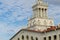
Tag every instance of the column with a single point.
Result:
(41, 12)
(38, 12)
(44, 13)
(46, 38)
(52, 37)
(35, 13)
(57, 37)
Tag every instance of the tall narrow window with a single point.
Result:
(45, 13)
(18, 39)
(49, 37)
(42, 12)
(36, 38)
(55, 37)
(59, 36)
(39, 9)
(44, 38)
(31, 38)
(22, 37)
(27, 37)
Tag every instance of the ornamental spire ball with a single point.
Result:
(40, 0)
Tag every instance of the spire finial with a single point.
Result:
(39, 0)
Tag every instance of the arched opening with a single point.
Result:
(27, 37)
(39, 8)
(31, 38)
(39, 12)
(45, 13)
(36, 38)
(42, 12)
(59, 36)
(44, 38)
(45, 10)
(55, 37)
(49, 37)
(22, 37)
(18, 39)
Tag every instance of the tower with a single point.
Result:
(40, 9)
(40, 19)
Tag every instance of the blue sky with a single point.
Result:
(15, 13)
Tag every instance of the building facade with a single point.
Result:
(39, 27)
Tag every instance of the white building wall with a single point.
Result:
(40, 36)
(52, 33)
(25, 33)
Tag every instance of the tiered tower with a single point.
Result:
(40, 19)
(40, 9)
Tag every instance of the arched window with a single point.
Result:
(27, 37)
(39, 9)
(42, 12)
(22, 37)
(49, 37)
(44, 38)
(31, 38)
(55, 37)
(45, 10)
(36, 38)
(39, 12)
(42, 9)
(59, 36)
(18, 39)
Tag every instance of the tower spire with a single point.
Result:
(40, 19)
(39, 0)
(40, 9)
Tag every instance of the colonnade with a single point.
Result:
(42, 12)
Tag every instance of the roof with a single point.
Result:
(52, 28)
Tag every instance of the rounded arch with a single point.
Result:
(18, 38)
(22, 37)
(42, 9)
(27, 37)
(36, 38)
(31, 37)
(45, 9)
